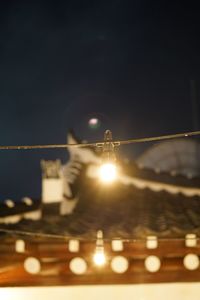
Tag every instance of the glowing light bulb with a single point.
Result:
(99, 257)
(108, 172)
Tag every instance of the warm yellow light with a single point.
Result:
(99, 258)
(108, 172)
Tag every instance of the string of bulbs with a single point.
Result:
(99, 255)
(100, 143)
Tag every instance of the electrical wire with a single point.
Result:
(86, 239)
(29, 147)
(100, 143)
(160, 138)
(36, 234)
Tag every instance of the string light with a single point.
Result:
(99, 257)
(108, 168)
(108, 150)
(95, 144)
(108, 173)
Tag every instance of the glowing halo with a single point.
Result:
(108, 172)
(99, 258)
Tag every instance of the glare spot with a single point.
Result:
(108, 172)
(99, 258)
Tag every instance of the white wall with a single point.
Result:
(175, 291)
(52, 190)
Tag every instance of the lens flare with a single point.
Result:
(94, 123)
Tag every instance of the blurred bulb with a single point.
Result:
(108, 172)
(99, 257)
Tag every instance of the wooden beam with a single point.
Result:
(55, 258)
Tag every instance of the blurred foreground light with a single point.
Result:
(78, 265)
(32, 265)
(191, 261)
(20, 246)
(99, 257)
(108, 172)
(119, 264)
(152, 263)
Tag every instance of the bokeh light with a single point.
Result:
(94, 123)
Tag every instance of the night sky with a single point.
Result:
(129, 63)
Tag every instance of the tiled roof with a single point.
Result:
(164, 177)
(121, 211)
(22, 206)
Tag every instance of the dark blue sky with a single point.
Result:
(62, 62)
